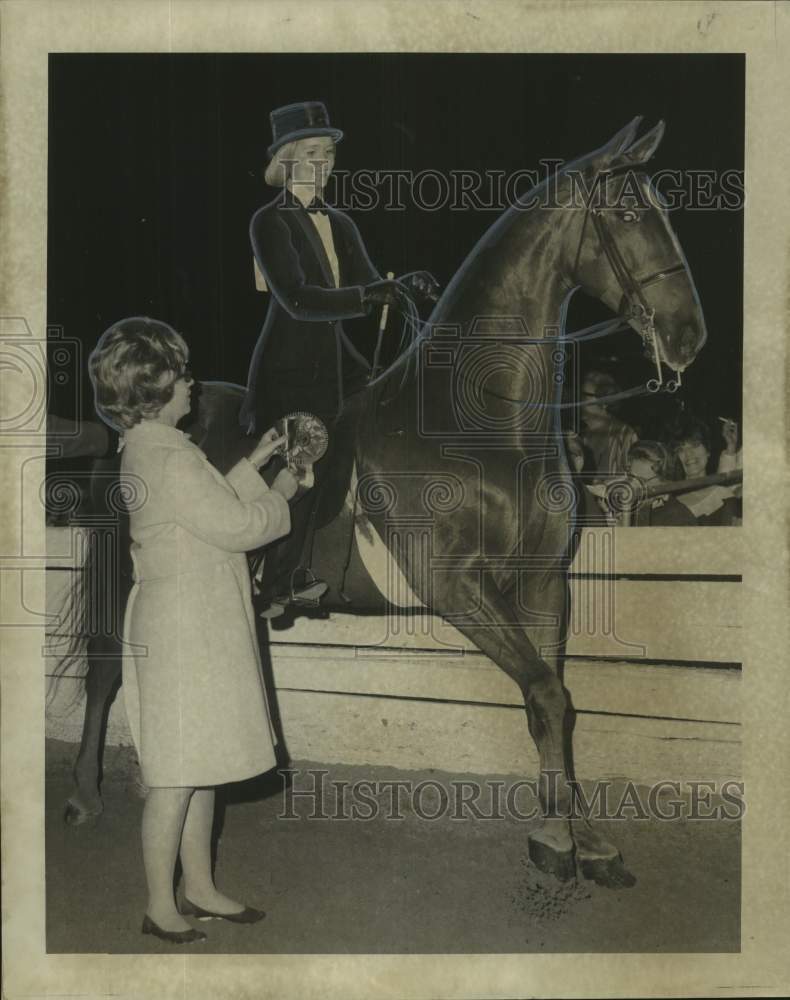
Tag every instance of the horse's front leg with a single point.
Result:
(597, 858)
(491, 628)
(104, 671)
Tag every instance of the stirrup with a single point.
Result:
(308, 596)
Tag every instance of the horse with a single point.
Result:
(457, 455)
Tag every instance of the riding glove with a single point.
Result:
(385, 293)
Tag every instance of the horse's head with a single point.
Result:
(627, 255)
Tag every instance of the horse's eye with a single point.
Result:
(629, 215)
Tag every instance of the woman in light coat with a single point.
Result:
(192, 680)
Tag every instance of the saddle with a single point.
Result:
(373, 411)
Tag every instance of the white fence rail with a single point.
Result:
(653, 667)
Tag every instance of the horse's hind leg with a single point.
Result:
(551, 845)
(104, 671)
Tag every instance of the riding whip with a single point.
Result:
(382, 326)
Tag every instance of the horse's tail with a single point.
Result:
(87, 621)
(67, 641)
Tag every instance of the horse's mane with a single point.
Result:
(415, 330)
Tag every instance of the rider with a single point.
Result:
(312, 259)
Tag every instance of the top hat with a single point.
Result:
(298, 121)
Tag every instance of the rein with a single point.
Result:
(632, 309)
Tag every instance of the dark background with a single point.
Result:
(156, 166)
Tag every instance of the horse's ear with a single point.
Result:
(618, 143)
(640, 151)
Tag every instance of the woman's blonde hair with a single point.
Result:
(278, 171)
(127, 367)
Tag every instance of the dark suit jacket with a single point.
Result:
(302, 350)
(672, 513)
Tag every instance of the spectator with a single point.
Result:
(605, 435)
(654, 463)
(711, 505)
(589, 509)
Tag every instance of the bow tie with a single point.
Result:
(316, 206)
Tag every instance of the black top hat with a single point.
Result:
(298, 121)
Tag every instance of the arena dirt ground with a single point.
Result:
(387, 886)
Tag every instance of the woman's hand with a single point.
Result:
(305, 477)
(266, 447)
(293, 480)
(286, 483)
(729, 431)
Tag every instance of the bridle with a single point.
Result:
(632, 309)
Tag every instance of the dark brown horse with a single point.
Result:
(458, 455)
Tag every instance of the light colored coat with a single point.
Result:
(192, 685)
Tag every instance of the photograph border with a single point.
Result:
(30, 31)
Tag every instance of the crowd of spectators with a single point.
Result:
(620, 470)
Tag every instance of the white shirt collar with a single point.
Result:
(304, 193)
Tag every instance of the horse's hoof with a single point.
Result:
(560, 864)
(608, 872)
(75, 815)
